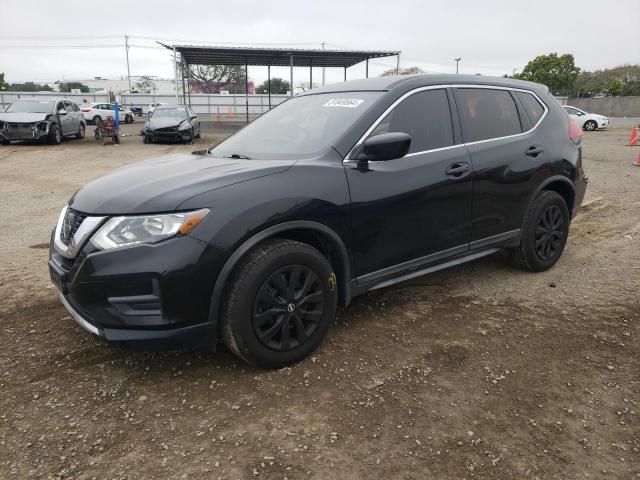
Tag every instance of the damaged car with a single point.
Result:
(174, 123)
(43, 120)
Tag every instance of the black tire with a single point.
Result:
(81, 131)
(590, 125)
(5, 142)
(544, 233)
(145, 139)
(97, 120)
(262, 312)
(128, 119)
(197, 135)
(54, 137)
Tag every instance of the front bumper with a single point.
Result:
(142, 295)
(23, 131)
(167, 136)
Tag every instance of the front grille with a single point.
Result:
(167, 130)
(72, 221)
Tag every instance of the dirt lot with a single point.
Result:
(479, 372)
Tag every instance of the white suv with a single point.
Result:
(588, 121)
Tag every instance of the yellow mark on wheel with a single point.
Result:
(333, 281)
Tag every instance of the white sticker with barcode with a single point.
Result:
(344, 102)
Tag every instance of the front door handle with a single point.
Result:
(534, 151)
(458, 169)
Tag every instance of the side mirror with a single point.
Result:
(62, 112)
(385, 146)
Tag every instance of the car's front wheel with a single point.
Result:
(280, 302)
(54, 136)
(590, 125)
(544, 233)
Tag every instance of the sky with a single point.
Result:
(72, 40)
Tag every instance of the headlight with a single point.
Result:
(41, 126)
(126, 231)
(184, 125)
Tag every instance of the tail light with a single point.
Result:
(575, 131)
(85, 109)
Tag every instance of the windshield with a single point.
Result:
(298, 127)
(178, 112)
(31, 106)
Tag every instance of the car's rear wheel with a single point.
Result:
(590, 125)
(81, 131)
(54, 137)
(544, 233)
(280, 302)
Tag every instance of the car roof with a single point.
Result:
(391, 82)
(170, 105)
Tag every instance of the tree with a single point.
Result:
(623, 80)
(278, 87)
(213, 78)
(29, 87)
(403, 71)
(3, 85)
(68, 86)
(558, 72)
(145, 85)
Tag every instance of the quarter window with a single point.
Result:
(425, 116)
(532, 106)
(487, 114)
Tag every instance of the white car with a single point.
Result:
(588, 121)
(101, 111)
(152, 107)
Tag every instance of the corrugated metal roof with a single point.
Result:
(219, 55)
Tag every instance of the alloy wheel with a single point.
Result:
(550, 233)
(288, 307)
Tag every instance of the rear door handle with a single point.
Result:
(534, 151)
(458, 169)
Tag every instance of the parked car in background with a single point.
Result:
(152, 107)
(175, 123)
(100, 111)
(137, 111)
(588, 121)
(48, 120)
(335, 192)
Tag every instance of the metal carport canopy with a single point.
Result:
(280, 57)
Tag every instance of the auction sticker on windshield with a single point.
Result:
(343, 102)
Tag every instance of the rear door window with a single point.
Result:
(425, 116)
(487, 113)
(532, 106)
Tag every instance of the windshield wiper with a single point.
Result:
(238, 156)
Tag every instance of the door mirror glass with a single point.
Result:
(385, 146)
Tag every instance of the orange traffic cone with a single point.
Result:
(229, 114)
(634, 138)
(637, 162)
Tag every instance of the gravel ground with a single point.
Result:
(478, 372)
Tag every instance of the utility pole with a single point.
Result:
(175, 70)
(457, 62)
(323, 67)
(126, 46)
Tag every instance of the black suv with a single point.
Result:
(340, 190)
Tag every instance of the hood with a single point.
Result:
(162, 184)
(155, 123)
(20, 117)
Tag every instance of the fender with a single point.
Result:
(548, 181)
(233, 260)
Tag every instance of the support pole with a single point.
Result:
(184, 90)
(188, 86)
(175, 70)
(310, 73)
(126, 46)
(246, 87)
(291, 74)
(398, 65)
(366, 69)
(269, 83)
(323, 69)
(345, 73)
